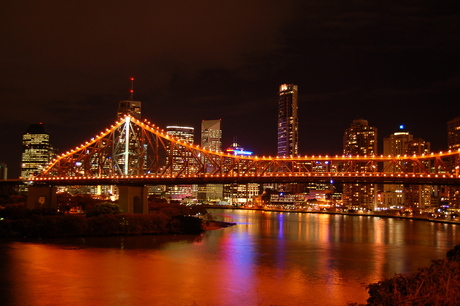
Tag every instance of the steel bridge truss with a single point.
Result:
(134, 149)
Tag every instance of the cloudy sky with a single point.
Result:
(68, 63)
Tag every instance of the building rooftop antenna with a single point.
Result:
(131, 91)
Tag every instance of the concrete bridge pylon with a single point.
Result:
(133, 199)
(41, 197)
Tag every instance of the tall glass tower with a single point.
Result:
(36, 150)
(288, 121)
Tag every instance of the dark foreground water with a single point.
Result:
(267, 259)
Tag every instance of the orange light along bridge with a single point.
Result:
(133, 154)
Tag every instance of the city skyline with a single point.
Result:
(68, 66)
(380, 140)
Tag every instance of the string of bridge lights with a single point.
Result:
(147, 125)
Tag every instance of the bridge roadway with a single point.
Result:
(343, 177)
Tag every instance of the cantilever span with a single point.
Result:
(136, 152)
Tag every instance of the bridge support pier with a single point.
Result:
(133, 199)
(41, 196)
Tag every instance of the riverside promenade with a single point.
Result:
(383, 214)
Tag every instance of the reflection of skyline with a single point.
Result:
(331, 235)
(267, 258)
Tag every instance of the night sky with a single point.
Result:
(68, 63)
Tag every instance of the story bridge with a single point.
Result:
(133, 154)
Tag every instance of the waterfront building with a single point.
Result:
(360, 139)
(37, 151)
(237, 150)
(288, 121)
(395, 144)
(187, 135)
(240, 194)
(288, 130)
(399, 196)
(211, 139)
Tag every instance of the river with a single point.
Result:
(268, 258)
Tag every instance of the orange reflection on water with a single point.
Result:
(267, 259)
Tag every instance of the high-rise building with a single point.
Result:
(453, 143)
(130, 162)
(453, 134)
(37, 151)
(3, 171)
(184, 133)
(211, 135)
(211, 139)
(130, 107)
(288, 121)
(408, 196)
(187, 135)
(360, 139)
(396, 143)
(240, 194)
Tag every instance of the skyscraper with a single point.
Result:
(288, 122)
(398, 195)
(453, 143)
(211, 135)
(3, 171)
(211, 139)
(130, 107)
(186, 134)
(396, 143)
(36, 150)
(240, 194)
(129, 160)
(453, 134)
(360, 139)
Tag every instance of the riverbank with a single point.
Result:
(438, 284)
(381, 215)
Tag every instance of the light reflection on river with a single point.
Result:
(268, 258)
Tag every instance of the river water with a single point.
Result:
(268, 258)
